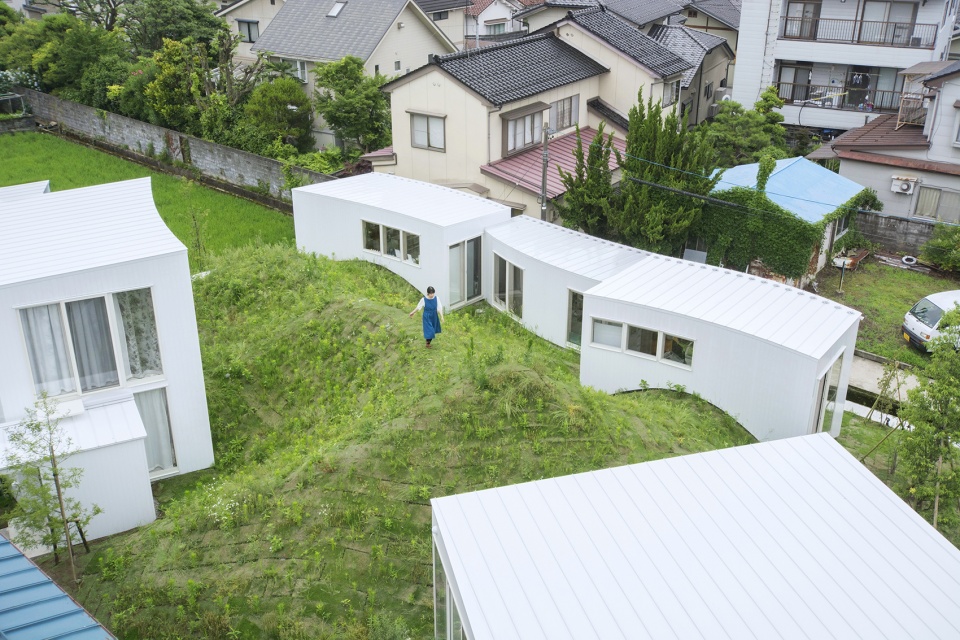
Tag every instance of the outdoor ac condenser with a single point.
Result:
(904, 185)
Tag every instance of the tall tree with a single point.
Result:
(281, 109)
(176, 91)
(105, 14)
(741, 136)
(352, 103)
(589, 197)
(38, 452)
(149, 22)
(661, 152)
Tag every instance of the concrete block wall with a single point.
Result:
(895, 233)
(217, 163)
(26, 123)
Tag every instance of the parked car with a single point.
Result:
(920, 323)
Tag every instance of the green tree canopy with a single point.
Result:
(741, 136)
(352, 103)
(176, 91)
(589, 197)
(149, 22)
(661, 150)
(280, 109)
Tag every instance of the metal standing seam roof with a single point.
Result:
(33, 607)
(786, 539)
(805, 188)
(778, 313)
(26, 190)
(520, 68)
(67, 231)
(566, 249)
(431, 203)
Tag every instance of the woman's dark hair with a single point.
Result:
(431, 290)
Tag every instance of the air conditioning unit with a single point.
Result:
(712, 110)
(904, 185)
(723, 93)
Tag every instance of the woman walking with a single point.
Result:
(432, 314)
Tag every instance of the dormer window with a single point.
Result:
(337, 8)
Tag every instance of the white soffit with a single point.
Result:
(566, 249)
(786, 539)
(63, 232)
(781, 314)
(431, 203)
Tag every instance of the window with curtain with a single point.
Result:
(92, 344)
(138, 333)
(427, 131)
(524, 131)
(43, 332)
(938, 204)
(564, 113)
(152, 406)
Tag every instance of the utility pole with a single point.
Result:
(543, 184)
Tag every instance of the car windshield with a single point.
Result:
(927, 313)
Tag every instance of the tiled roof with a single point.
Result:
(525, 169)
(645, 11)
(949, 71)
(687, 43)
(622, 36)
(478, 7)
(429, 6)
(302, 29)
(519, 69)
(555, 4)
(882, 133)
(609, 114)
(725, 11)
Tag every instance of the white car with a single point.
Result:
(920, 323)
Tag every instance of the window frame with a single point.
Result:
(674, 93)
(443, 120)
(404, 247)
(381, 237)
(708, 90)
(573, 111)
(496, 29)
(843, 225)
(299, 68)
(593, 333)
(535, 139)
(465, 284)
(656, 347)
(507, 304)
(661, 350)
(937, 213)
(571, 294)
(437, 16)
(244, 29)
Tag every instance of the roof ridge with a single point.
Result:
(470, 53)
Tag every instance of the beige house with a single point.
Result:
(718, 18)
(390, 36)
(475, 120)
(249, 18)
(449, 15)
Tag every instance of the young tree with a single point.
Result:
(176, 91)
(741, 136)
(929, 454)
(661, 152)
(39, 449)
(589, 197)
(281, 109)
(353, 104)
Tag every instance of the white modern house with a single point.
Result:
(837, 63)
(774, 357)
(640, 319)
(427, 234)
(96, 311)
(791, 539)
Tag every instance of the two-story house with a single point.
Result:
(641, 15)
(488, 20)
(248, 18)
(718, 18)
(449, 15)
(476, 119)
(837, 63)
(390, 36)
(96, 312)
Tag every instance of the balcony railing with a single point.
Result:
(839, 97)
(878, 34)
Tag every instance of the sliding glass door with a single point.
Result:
(465, 262)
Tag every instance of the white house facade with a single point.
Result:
(248, 19)
(96, 311)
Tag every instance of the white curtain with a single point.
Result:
(47, 349)
(420, 138)
(92, 344)
(153, 411)
(436, 133)
(138, 328)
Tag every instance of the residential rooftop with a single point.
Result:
(688, 44)
(882, 133)
(726, 12)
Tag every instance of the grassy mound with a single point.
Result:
(333, 428)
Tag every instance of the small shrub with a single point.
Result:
(943, 249)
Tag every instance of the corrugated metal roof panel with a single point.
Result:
(424, 201)
(67, 231)
(566, 249)
(781, 314)
(33, 607)
(26, 190)
(787, 539)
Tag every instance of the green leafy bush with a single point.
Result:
(943, 249)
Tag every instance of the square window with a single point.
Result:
(564, 113)
(427, 131)
(249, 31)
(524, 131)
(371, 237)
(396, 66)
(607, 333)
(679, 350)
(640, 340)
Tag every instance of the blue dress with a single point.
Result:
(431, 320)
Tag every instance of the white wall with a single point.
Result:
(259, 11)
(410, 45)
(879, 177)
(498, 10)
(770, 390)
(168, 277)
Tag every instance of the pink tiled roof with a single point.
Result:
(379, 153)
(525, 169)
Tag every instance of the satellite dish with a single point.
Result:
(725, 98)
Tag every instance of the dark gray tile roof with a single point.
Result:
(302, 30)
(641, 12)
(725, 11)
(520, 68)
(689, 44)
(608, 113)
(948, 71)
(558, 4)
(622, 36)
(429, 6)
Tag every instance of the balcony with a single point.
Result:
(839, 97)
(906, 35)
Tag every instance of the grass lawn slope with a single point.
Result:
(225, 221)
(333, 428)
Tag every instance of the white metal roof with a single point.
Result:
(68, 231)
(567, 249)
(784, 315)
(424, 201)
(25, 190)
(786, 539)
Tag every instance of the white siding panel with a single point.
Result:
(25, 190)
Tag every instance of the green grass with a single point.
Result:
(333, 428)
(227, 221)
(883, 294)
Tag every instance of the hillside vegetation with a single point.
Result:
(333, 429)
